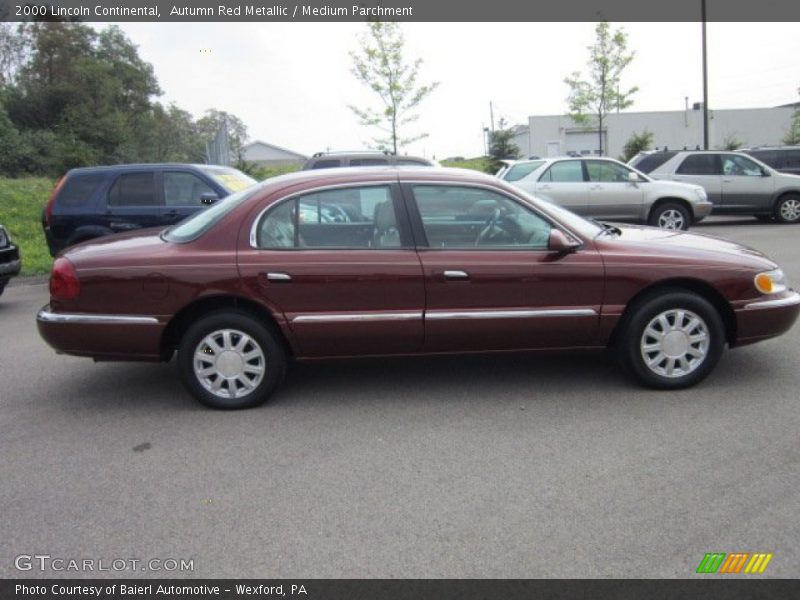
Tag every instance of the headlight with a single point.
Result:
(701, 193)
(770, 282)
(3, 238)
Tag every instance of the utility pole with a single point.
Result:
(705, 79)
(491, 115)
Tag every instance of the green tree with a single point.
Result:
(731, 142)
(380, 66)
(501, 145)
(638, 142)
(792, 137)
(237, 130)
(591, 98)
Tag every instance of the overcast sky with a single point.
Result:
(291, 82)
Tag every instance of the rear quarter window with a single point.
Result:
(649, 163)
(326, 164)
(79, 189)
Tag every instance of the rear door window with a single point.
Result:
(700, 164)
(134, 189)
(79, 189)
(564, 171)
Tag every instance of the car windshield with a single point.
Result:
(231, 179)
(570, 219)
(193, 227)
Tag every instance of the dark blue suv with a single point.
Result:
(95, 201)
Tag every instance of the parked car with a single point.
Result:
(785, 159)
(10, 263)
(364, 158)
(96, 201)
(429, 261)
(736, 184)
(604, 188)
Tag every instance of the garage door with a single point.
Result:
(583, 142)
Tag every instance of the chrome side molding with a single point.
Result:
(50, 317)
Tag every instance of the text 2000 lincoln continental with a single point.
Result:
(373, 261)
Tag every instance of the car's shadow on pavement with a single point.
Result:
(515, 378)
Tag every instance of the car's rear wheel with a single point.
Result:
(670, 215)
(671, 340)
(228, 359)
(787, 210)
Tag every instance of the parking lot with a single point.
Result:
(502, 466)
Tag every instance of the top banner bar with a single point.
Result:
(399, 10)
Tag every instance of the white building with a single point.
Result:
(269, 155)
(556, 135)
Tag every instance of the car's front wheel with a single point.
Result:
(787, 210)
(228, 359)
(670, 215)
(671, 340)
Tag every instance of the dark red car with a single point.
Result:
(354, 262)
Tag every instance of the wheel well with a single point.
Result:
(701, 288)
(784, 195)
(175, 329)
(662, 201)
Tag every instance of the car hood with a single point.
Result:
(689, 247)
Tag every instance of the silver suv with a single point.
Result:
(607, 189)
(736, 184)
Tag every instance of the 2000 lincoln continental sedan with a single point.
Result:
(355, 262)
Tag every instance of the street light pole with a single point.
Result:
(705, 79)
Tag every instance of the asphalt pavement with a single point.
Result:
(503, 466)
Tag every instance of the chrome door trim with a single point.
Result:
(358, 317)
(278, 277)
(46, 316)
(509, 314)
(456, 274)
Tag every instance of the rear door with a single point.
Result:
(564, 183)
(703, 169)
(134, 200)
(340, 265)
(491, 282)
(611, 194)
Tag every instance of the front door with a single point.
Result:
(490, 281)
(611, 194)
(340, 266)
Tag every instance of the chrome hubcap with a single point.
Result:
(671, 219)
(675, 343)
(790, 210)
(229, 363)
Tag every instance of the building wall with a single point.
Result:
(674, 129)
(263, 154)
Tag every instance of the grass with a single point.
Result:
(480, 163)
(21, 203)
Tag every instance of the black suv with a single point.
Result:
(9, 259)
(95, 201)
(366, 158)
(781, 158)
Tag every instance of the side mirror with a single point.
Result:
(562, 243)
(208, 198)
(633, 177)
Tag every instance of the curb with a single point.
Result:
(30, 280)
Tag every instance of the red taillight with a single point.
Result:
(48, 208)
(64, 283)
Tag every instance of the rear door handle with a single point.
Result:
(278, 277)
(456, 275)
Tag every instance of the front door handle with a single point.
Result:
(456, 275)
(278, 277)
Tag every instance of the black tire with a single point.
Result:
(787, 209)
(232, 393)
(631, 348)
(670, 213)
(2, 287)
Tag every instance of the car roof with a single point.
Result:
(132, 166)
